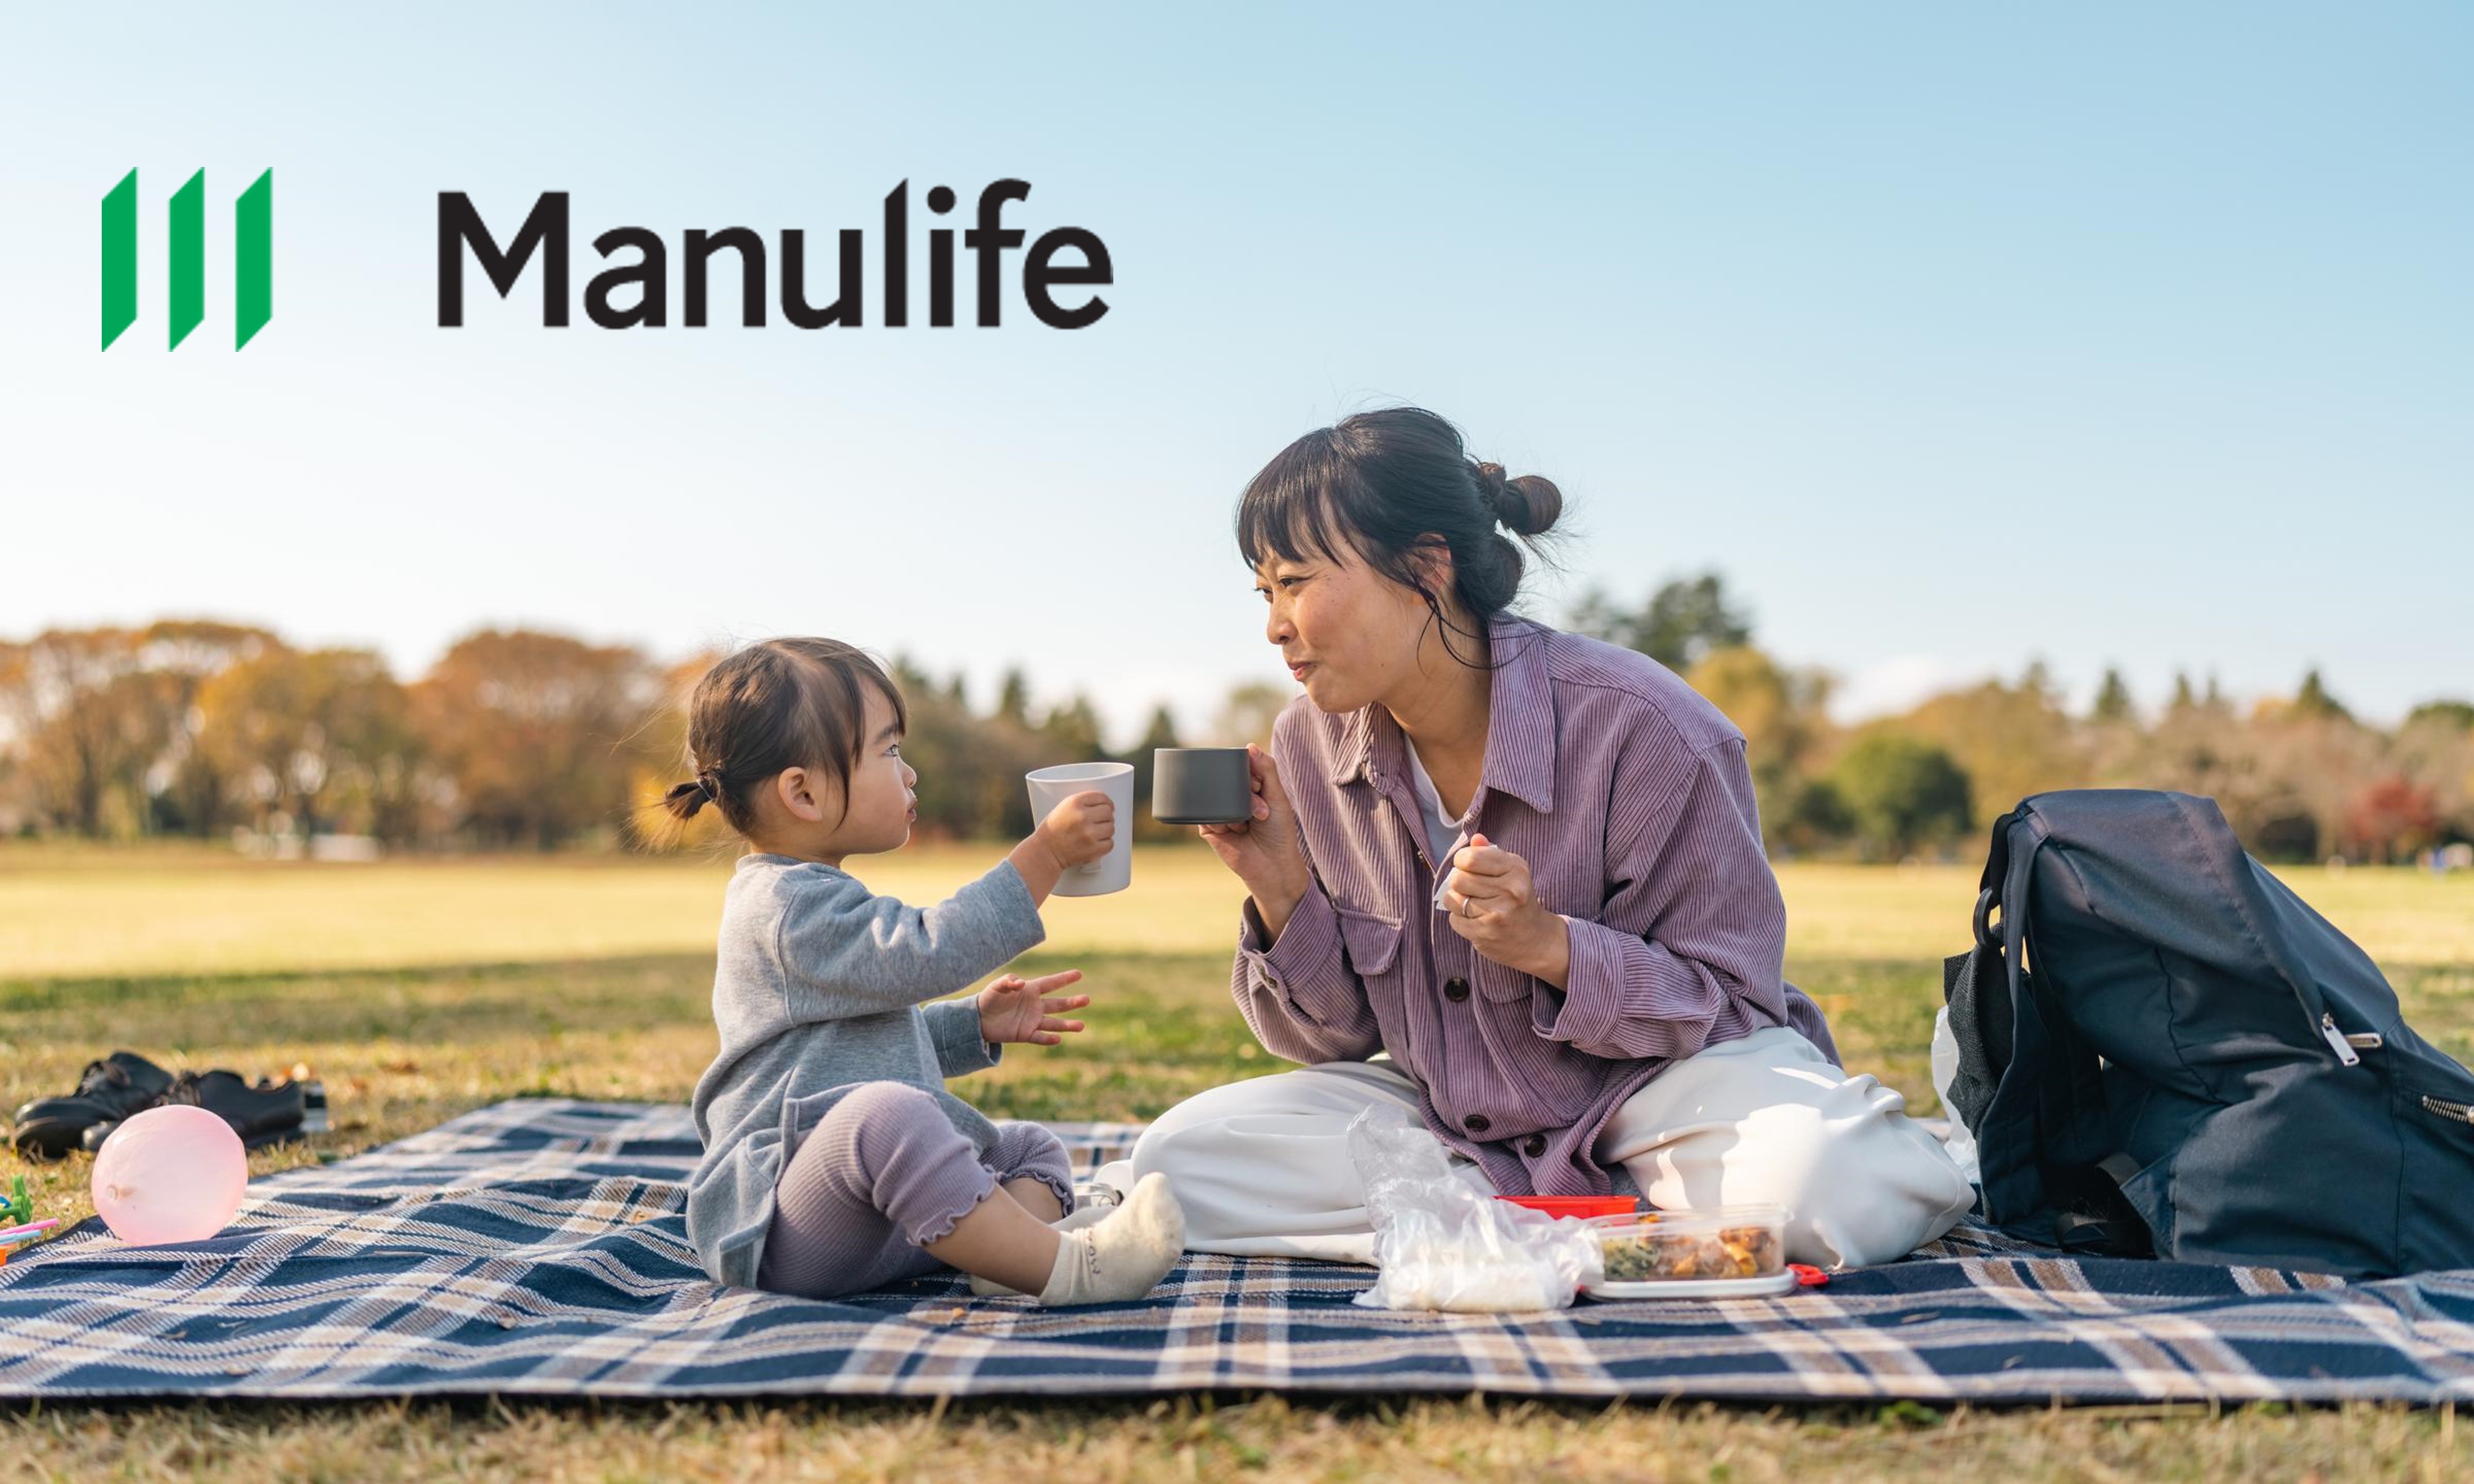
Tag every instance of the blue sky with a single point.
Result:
(1954, 337)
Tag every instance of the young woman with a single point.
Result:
(1511, 879)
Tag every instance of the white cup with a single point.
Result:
(1050, 787)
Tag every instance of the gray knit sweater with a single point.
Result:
(818, 986)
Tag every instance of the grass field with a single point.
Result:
(98, 914)
(419, 991)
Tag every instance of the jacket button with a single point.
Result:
(1477, 1123)
(1456, 988)
(1534, 1146)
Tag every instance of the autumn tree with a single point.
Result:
(312, 739)
(1782, 713)
(2393, 819)
(90, 722)
(532, 726)
(2435, 750)
(2010, 740)
(2306, 758)
(199, 797)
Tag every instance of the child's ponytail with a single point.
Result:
(684, 800)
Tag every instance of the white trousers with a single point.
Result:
(1262, 1166)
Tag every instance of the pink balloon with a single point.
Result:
(170, 1173)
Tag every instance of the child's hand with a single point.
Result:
(1079, 830)
(1014, 1009)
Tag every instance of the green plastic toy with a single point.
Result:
(21, 1206)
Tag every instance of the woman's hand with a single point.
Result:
(1264, 850)
(1494, 904)
(1015, 1009)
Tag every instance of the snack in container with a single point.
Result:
(1721, 1252)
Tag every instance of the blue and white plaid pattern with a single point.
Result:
(538, 1245)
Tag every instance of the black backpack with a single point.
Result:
(2162, 1050)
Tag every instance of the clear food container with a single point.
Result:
(1722, 1251)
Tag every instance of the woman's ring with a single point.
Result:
(1468, 908)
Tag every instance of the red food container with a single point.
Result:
(1578, 1206)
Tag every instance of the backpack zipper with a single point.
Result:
(2448, 1109)
(2337, 1040)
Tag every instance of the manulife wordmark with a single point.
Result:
(252, 258)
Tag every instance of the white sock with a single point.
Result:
(1074, 1220)
(1122, 1253)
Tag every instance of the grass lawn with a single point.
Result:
(423, 989)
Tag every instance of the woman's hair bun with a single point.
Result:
(1525, 506)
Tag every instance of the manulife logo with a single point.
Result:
(252, 260)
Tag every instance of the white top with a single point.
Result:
(1441, 831)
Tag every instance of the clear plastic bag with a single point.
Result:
(1443, 1244)
(1960, 1146)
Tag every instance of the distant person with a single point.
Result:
(834, 1160)
(1511, 881)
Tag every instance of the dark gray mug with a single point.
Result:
(1202, 785)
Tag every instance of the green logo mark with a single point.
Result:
(252, 258)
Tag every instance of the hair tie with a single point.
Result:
(1497, 491)
(1510, 507)
(709, 786)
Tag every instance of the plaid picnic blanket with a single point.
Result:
(538, 1245)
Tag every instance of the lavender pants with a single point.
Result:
(882, 1174)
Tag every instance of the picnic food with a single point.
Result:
(1726, 1242)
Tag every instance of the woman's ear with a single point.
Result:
(1431, 559)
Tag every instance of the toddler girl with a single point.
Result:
(834, 1159)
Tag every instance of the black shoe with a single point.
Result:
(108, 1090)
(266, 1114)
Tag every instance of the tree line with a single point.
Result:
(522, 739)
(2299, 777)
(513, 739)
